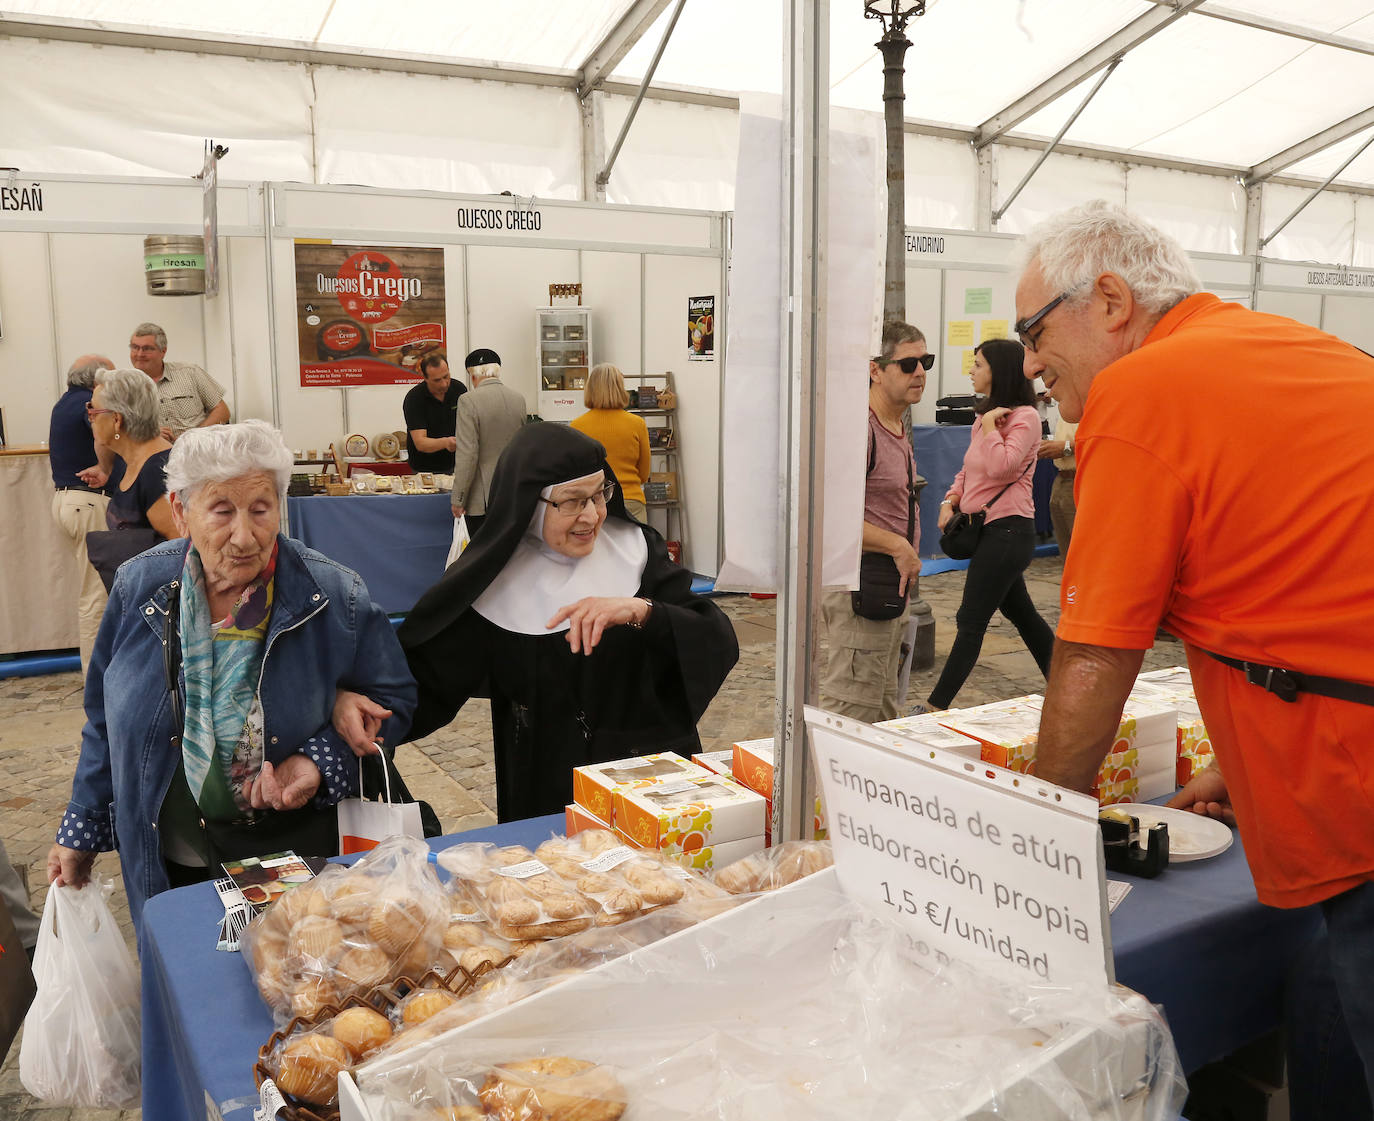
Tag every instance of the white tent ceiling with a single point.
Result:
(1227, 83)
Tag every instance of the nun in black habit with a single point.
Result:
(569, 615)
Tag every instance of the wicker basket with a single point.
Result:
(383, 998)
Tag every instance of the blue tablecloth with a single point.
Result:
(396, 543)
(940, 452)
(1194, 940)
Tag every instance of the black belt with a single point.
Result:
(88, 490)
(1286, 684)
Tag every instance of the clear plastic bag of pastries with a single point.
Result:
(348, 930)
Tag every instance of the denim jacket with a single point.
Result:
(324, 633)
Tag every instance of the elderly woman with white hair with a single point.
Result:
(233, 672)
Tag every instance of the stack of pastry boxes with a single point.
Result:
(750, 763)
(699, 819)
(927, 729)
(1141, 764)
(1175, 687)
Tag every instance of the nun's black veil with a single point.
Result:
(538, 456)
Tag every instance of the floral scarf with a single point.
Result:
(222, 743)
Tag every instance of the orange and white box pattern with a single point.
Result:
(752, 765)
(576, 819)
(1139, 766)
(711, 857)
(1194, 745)
(596, 785)
(687, 816)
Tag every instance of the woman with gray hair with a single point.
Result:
(233, 673)
(123, 412)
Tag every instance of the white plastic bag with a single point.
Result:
(81, 1037)
(461, 537)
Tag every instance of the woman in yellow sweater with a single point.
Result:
(624, 435)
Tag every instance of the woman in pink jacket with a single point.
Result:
(997, 474)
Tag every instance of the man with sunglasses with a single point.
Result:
(1184, 519)
(865, 655)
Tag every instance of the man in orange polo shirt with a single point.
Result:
(1186, 518)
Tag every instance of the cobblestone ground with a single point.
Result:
(40, 725)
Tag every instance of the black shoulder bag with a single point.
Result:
(878, 597)
(963, 531)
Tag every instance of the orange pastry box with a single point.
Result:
(752, 766)
(595, 785)
(690, 815)
(576, 819)
(1194, 745)
(1140, 765)
(717, 762)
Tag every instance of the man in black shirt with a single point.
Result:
(79, 473)
(431, 410)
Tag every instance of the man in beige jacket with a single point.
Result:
(487, 419)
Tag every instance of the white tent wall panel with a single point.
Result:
(1324, 231)
(610, 287)
(243, 298)
(97, 110)
(1363, 256)
(941, 182)
(1205, 213)
(419, 132)
(1305, 307)
(32, 374)
(506, 284)
(675, 155)
(668, 283)
(100, 295)
(1350, 318)
(1061, 181)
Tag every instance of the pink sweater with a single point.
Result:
(992, 462)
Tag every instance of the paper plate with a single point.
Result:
(1191, 836)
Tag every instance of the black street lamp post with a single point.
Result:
(893, 46)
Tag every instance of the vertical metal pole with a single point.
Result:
(806, 100)
(893, 46)
(269, 215)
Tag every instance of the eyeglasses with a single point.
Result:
(91, 410)
(908, 365)
(1023, 326)
(142, 349)
(571, 507)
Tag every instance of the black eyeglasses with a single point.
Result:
(908, 365)
(1023, 326)
(571, 507)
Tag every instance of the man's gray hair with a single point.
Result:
(131, 394)
(159, 335)
(83, 371)
(1076, 246)
(227, 451)
(485, 370)
(895, 332)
